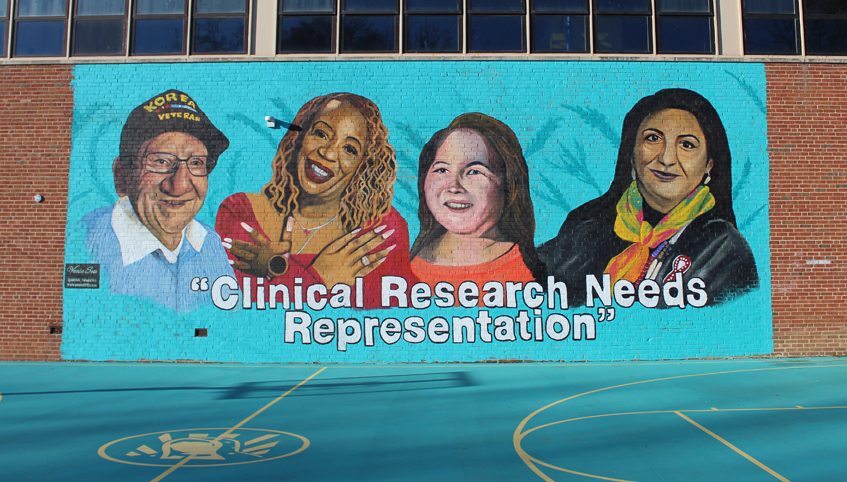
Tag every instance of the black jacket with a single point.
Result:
(719, 254)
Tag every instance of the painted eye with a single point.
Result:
(475, 172)
(440, 170)
(688, 145)
(197, 162)
(652, 138)
(351, 150)
(319, 133)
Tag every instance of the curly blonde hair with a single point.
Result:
(367, 199)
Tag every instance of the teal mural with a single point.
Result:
(418, 211)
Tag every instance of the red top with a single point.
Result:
(509, 267)
(237, 209)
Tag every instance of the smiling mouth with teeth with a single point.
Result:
(453, 205)
(318, 173)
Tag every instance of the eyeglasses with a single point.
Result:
(167, 163)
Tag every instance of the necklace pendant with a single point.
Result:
(306, 231)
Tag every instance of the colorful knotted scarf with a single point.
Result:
(630, 226)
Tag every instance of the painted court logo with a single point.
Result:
(204, 447)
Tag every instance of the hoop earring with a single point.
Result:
(708, 178)
(633, 173)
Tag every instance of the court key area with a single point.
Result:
(689, 421)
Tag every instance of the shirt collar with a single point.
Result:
(137, 241)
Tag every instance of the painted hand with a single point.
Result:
(349, 257)
(264, 257)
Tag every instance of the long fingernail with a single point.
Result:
(286, 255)
(355, 231)
(379, 229)
(227, 245)
(231, 262)
(247, 227)
(290, 225)
(391, 247)
(388, 234)
(227, 240)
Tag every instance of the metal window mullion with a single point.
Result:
(69, 23)
(337, 27)
(9, 33)
(399, 25)
(654, 23)
(802, 21)
(591, 27)
(129, 18)
(189, 30)
(526, 36)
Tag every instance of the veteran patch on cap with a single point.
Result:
(171, 111)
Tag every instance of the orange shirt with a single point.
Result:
(509, 267)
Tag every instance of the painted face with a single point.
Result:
(462, 190)
(670, 157)
(166, 203)
(332, 150)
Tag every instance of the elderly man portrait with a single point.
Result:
(148, 244)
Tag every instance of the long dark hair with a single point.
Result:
(367, 199)
(517, 222)
(717, 149)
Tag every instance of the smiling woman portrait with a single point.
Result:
(476, 214)
(668, 211)
(326, 214)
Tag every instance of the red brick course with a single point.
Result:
(807, 120)
(36, 111)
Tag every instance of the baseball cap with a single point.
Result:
(171, 111)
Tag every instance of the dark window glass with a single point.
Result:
(219, 35)
(370, 5)
(99, 37)
(41, 8)
(295, 6)
(100, 7)
(831, 7)
(623, 6)
(369, 34)
(432, 33)
(40, 38)
(306, 34)
(826, 37)
(160, 36)
(769, 6)
(159, 7)
(496, 5)
(560, 6)
(559, 33)
(2, 39)
(432, 5)
(622, 34)
(685, 35)
(220, 6)
(770, 36)
(684, 6)
(489, 33)
(3, 7)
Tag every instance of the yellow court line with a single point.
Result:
(733, 447)
(236, 427)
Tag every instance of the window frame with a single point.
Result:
(712, 27)
(193, 37)
(651, 20)
(559, 13)
(281, 14)
(458, 15)
(798, 44)
(135, 16)
(497, 13)
(18, 20)
(343, 14)
(74, 17)
(7, 40)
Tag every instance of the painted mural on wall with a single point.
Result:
(433, 211)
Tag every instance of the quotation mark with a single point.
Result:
(602, 311)
(200, 284)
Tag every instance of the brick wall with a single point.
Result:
(807, 119)
(36, 109)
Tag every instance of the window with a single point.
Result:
(220, 26)
(433, 26)
(496, 26)
(559, 26)
(771, 27)
(40, 28)
(306, 26)
(623, 26)
(369, 25)
(99, 27)
(159, 27)
(825, 22)
(685, 27)
(4, 25)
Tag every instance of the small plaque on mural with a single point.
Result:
(83, 276)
